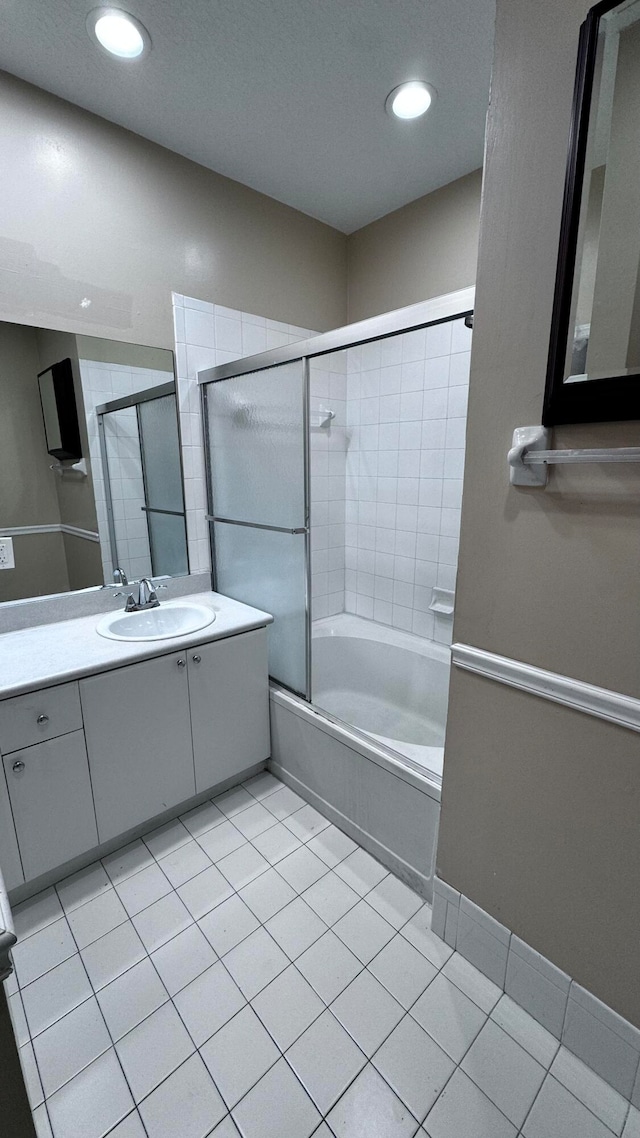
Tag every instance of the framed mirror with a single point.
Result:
(73, 512)
(594, 355)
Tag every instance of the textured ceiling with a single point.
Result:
(286, 96)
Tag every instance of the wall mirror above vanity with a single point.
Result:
(90, 463)
(594, 357)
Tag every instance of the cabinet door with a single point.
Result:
(9, 856)
(136, 721)
(229, 690)
(50, 793)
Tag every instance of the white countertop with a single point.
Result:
(49, 654)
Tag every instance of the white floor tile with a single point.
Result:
(162, 921)
(507, 1074)
(332, 846)
(221, 840)
(599, 1097)
(239, 1054)
(202, 818)
(127, 861)
(329, 966)
(449, 1016)
(632, 1125)
(403, 970)
(131, 998)
(18, 1019)
(226, 1129)
(186, 1104)
(556, 1112)
(361, 871)
(64, 1049)
(36, 913)
(253, 821)
(141, 890)
(262, 785)
(364, 931)
(41, 1122)
(112, 955)
(241, 866)
(41, 952)
(130, 1127)
(306, 823)
(394, 901)
(473, 983)
(153, 1050)
(296, 927)
(525, 1030)
(287, 1006)
(418, 932)
(208, 1002)
(284, 802)
(183, 958)
(31, 1076)
(463, 1110)
(414, 1066)
(234, 800)
(370, 1107)
(93, 1102)
(55, 994)
(326, 1060)
(184, 863)
(167, 838)
(331, 898)
(277, 1107)
(228, 924)
(204, 892)
(367, 1011)
(83, 886)
(301, 869)
(97, 917)
(276, 843)
(267, 894)
(255, 962)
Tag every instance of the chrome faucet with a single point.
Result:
(119, 576)
(147, 598)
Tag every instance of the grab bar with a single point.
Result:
(529, 456)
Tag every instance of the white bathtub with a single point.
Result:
(388, 683)
(368, 751)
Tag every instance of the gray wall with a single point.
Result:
(427, 248)
(539, 817)
(91, 212)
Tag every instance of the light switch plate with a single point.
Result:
(6, 553)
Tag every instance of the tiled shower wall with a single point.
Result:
(328, 456)
(406, 419)
(102, 382)
(208, 335)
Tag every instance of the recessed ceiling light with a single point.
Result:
(118, 33)
(410, 100)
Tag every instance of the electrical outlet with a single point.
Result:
(6, 553)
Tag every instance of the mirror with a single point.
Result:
(90, 463)
(594, 358)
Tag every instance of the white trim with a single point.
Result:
(624, 710)
(54, 527)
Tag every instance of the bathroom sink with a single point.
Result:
(173, 618)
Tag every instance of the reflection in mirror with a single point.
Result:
(605, 306)
(67, 522)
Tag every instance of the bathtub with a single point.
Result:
(368, 750)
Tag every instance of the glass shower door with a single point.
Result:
(256, 427)
(164, 500)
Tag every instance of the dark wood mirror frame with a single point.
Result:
(592, 400)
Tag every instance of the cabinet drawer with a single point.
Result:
(45, 714)
(50, 792)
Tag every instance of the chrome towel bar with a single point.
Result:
(529, 456)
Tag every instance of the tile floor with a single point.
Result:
(249, 970)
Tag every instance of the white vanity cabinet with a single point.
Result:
(229, 706)
(138, 730)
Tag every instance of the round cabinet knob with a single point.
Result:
(197, 659)
(42, 719)
(181, 663)
(18, 765)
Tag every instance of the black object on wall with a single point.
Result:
(59, 410)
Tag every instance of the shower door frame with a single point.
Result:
(442, 309)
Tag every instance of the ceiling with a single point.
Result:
(286, 96)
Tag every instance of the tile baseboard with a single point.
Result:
(602, 1039)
